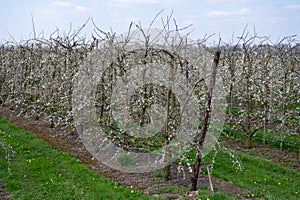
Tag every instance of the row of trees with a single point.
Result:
(263, 83)
(261, 79)
(37, 77)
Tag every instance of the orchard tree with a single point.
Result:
(246, 87)
(286, 89)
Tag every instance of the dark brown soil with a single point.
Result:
(4, 195)
(147, 182)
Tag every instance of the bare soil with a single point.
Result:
(4, 195)
(148, 183)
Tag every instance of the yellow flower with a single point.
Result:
(93, 179)
(279, 183)
(132, 191)
(252, 195)
(207, 198)
(264, 190)
(254, 182)
(265, 179)
(296, 193)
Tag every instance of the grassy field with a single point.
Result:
(35, 170)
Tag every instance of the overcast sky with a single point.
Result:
(275, 18)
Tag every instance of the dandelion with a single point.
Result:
(296, 193)
(265, 179)
(93, 179)
(264, 190)
(238, 195)
(132, 191)
(279, 183)
(116, 185)
(252, 195)
(207, 198)
(254, 182)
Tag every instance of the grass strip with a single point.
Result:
(264, 178)
(32, 169)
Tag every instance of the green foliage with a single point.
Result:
(38, 171)
(236, 111)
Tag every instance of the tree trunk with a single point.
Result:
(201, 136)
(166, 169)
(166, 172)
(248, 142)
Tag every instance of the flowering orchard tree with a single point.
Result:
(262, 82)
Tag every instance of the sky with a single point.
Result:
(224, 18)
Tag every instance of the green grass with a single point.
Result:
(263, 178)
(171, 188)
(38, 171)
(290, 142)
